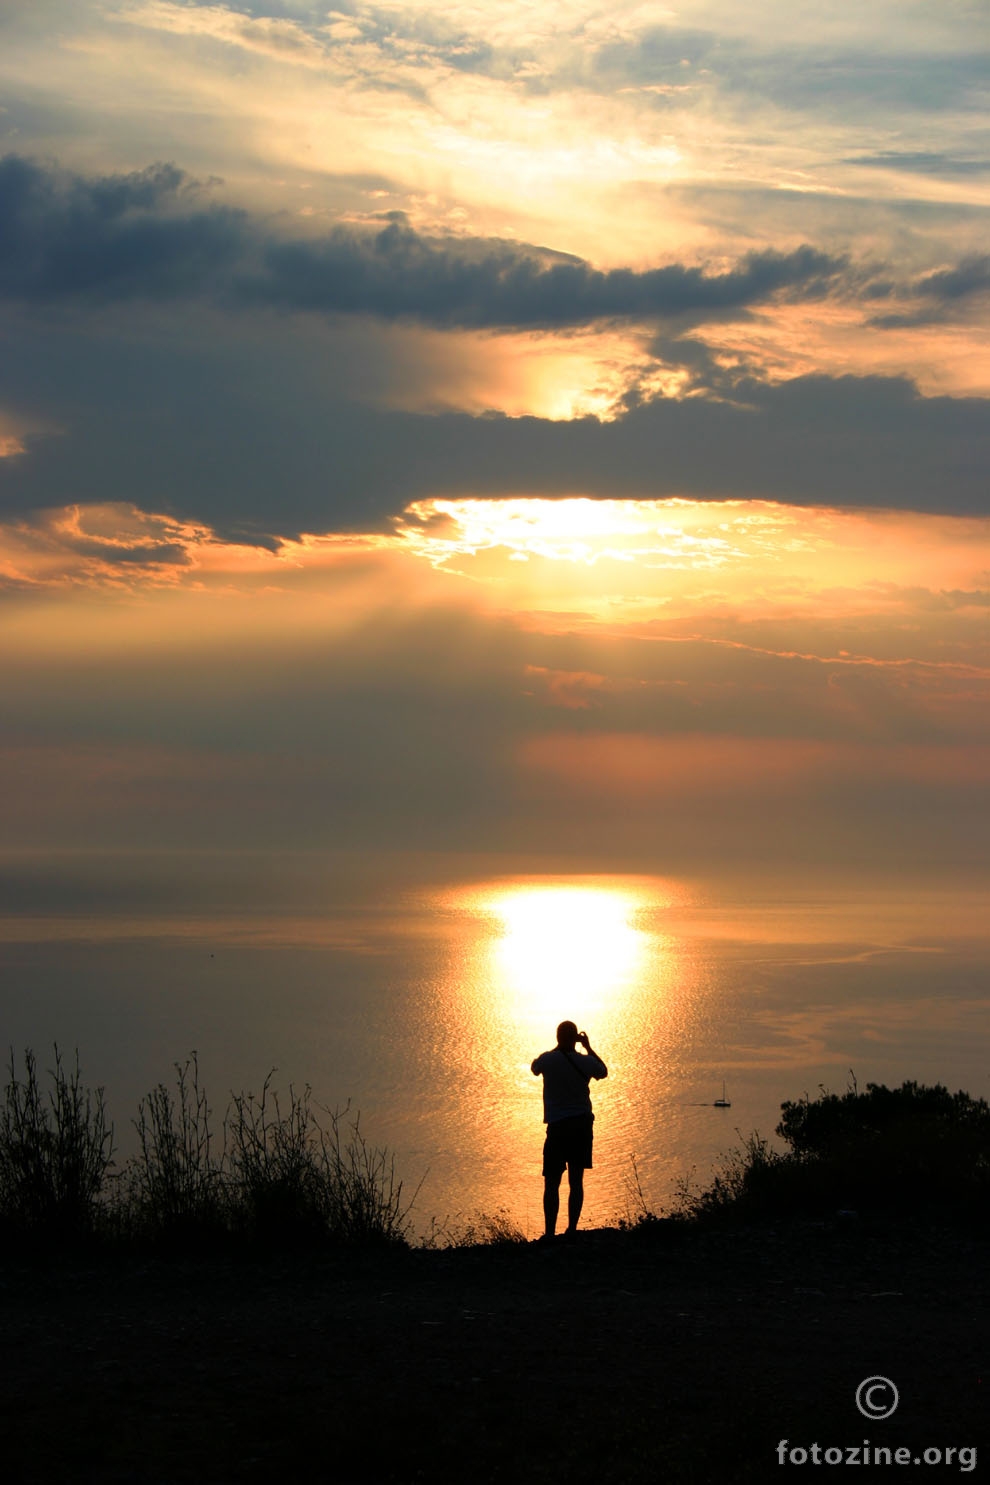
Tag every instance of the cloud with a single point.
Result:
(972, 276)
(66, 237)
(225, 414)
(470, 284)
(275, 36)
(923, 162)
(562, 47)
(243, 435)
(379, 47)
(113, 546)
(943, 291)
(151, 236)
(861, 82)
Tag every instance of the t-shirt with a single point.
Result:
(565, 1082)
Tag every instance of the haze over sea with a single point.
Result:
(421, 994)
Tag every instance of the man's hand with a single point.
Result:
(582, 1037)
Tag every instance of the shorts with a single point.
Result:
(568, 1142)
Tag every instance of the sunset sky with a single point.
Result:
(540, 432)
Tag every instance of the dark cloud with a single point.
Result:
(941, 293)
(239, 419)
(398, 273)
(860, 441)
(972, 276)
(247, 437)
(119, 237)
(149, 235)
(65, 237)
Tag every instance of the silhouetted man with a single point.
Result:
(567, 1114)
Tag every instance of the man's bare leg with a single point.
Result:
(575, 1197)
(551, 1204)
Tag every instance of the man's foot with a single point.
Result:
(546, 1237)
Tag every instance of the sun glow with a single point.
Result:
(671, 535)
(564, 949)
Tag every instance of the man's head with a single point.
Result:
(567, 1035)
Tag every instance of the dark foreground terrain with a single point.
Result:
(666, 1353)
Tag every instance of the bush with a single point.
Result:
(831, 1124)
(906, 1148)
(749, 1182)
(54, 1155)
(909, 1149)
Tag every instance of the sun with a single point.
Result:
(564, 950)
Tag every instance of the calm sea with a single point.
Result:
(422, 997)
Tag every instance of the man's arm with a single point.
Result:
(535, 1067)
(595, 1073)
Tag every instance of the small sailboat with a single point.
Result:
(723, 1102)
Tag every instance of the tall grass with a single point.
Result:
(272, 1166)
(752, 1180)
(294, 1178)
(175, 1186)
(496, 1229)
(283, 1175)
(55, 1152)
(363, 1196)
(276, 1176)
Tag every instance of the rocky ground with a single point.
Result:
(669, 1353)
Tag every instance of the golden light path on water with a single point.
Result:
(536, 952)
(776, 987)
(425, 1005)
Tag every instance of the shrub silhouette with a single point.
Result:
(907, 1149)
(750, 1181)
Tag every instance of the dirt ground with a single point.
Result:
(672, 1354)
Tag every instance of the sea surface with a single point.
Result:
(420, 997)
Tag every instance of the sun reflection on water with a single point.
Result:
(527, 953)
(584, 949)
(565, 946)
